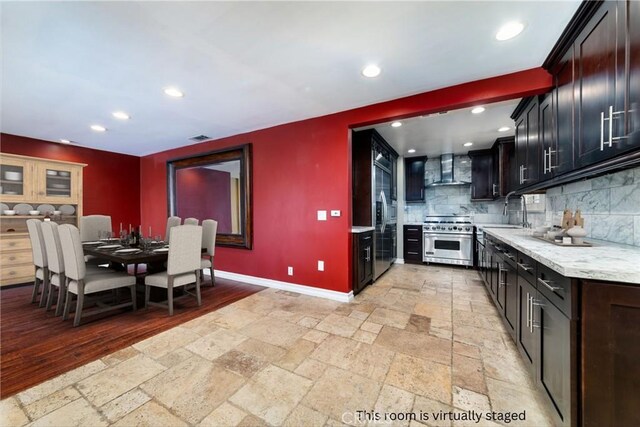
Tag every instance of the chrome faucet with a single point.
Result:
(525, 220)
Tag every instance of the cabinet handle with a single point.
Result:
(412, 253)
(366, 238)
(508, 255)
(412, 229)
(547, 284)
(551, 167)
(495, 192)
(533, 313)
(422, 193)
(412, 240)
(602, 131)
(524, 169)
(473, 191)
(525, 267)
(544, 161)
(529, 312)
(611, 138)
(500, 271)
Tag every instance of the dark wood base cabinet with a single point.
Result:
(412, 244)
(610, 355)
(362, 260)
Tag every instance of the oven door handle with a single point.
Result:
(451, 236)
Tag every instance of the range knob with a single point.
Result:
(467, 228)
(455, 227)
(450, 228)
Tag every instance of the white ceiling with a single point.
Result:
(243, 65)
(436, 134)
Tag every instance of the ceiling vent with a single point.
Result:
(199, 138)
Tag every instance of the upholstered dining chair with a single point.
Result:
(34, 227)
(57, 279)
(56, 264)
(183, 265)
(91, 227)
(209, 231)
(191, 221)
(172, 221)
(81, 284)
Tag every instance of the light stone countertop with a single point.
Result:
(361, 229)
(605, 261)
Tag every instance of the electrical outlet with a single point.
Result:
(335, 213)
(322, 215)
(290, 271)
(320, 265)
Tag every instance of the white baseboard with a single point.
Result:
(399, 261)
(285, 286)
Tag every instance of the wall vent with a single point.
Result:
(199, 138)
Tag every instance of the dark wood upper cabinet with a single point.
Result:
(483, 174)
(633, 78)
(528, 150)
(558, 146)
(414, 178)
(600, 103)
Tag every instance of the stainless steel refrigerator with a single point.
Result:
(384, 212)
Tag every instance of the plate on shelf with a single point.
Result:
(110, 246)
(46, 208)
(92, 243)
(67, 209)
(59, 186)
(3, 207)
(10, 193)
(52, 173)
(161, 250)
(64, 173)
(23, 208)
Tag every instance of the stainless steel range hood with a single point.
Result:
(446, 173)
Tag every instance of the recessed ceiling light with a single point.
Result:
(371, 71)
(120, 115)
(172, 91)
(468, 144)
(396, 124)
(477, 110)
(65, 141)
(98, 128)
(504, 129)
(509, 30)
(411, 150)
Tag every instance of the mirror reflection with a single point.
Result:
(211, 191)
(215, 185)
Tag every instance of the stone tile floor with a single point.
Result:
(423, 339)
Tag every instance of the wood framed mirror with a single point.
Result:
(215, 185)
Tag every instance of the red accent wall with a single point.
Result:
(111, 181)
(204, 194)
(302, 167)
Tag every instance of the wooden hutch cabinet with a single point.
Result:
(33, 181)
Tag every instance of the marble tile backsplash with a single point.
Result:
(610, 205)
(447, 200)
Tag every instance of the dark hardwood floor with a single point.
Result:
(36, 346)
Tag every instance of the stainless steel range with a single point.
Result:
(448, 240)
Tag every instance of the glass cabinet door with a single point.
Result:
(14, 180)
(57, 183)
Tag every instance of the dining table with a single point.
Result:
(155, 253)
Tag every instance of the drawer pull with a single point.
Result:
(366, 238)
(508, 255)
(525, 267)
(412, 253)
(412, 229)
(412, 240)
(548, 285)
(12, 243)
